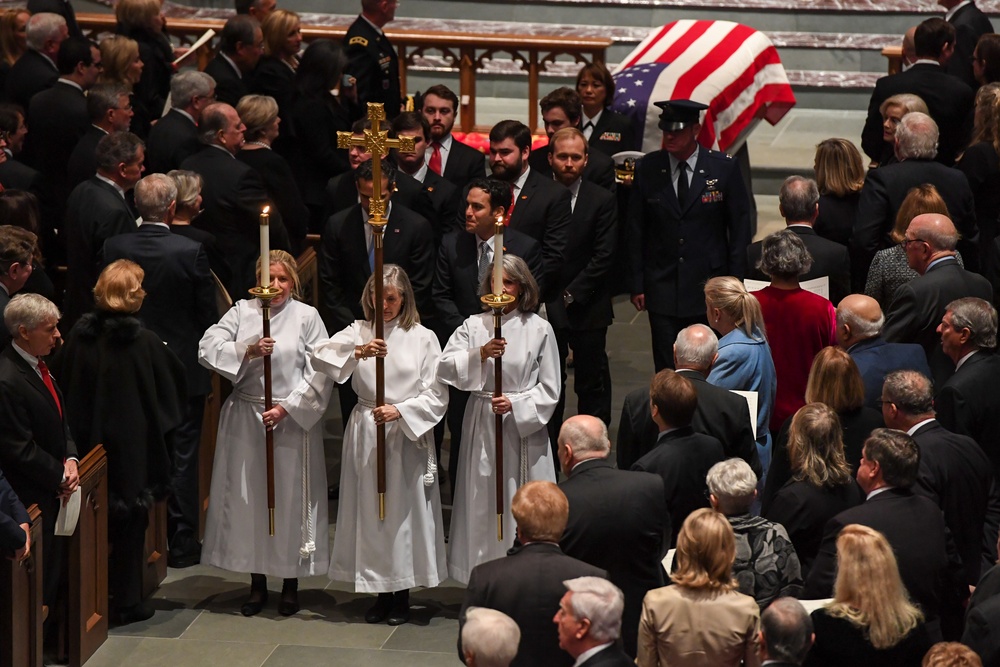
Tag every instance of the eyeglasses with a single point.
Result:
(906, 242)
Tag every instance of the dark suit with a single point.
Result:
(612, 656)
(957, 476)
(275, 78)
(31, 74)
(374, 63)
(829, 259)
(618, 522)
(61, 7)
(949, 100)
(464, 164)
(965, 405)
(83, 161)
(94, 213)
(612, 134)
(58, 118)
(919, 305)
(543, 211)
(876, 359)
(915, 529)
(982, 619)
(600, 169)
(682, 458)
(229, 83)
(312, 126)
(970, 24)
(12, 515)
(34, 443)
(172, 140)
(583, 324)
(527, 586)
(434, 198)
(284, 192)
(233, 196)
(883, 193)
(675, 247)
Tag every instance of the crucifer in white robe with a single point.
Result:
(407, 548)
(236, 531)
(531, 382)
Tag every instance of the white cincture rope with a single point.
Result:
(522, 472)
(308, 518)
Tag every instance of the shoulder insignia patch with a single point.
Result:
(358, 39)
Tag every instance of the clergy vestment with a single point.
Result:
(236, 534)
(531, 382)
(407, 548)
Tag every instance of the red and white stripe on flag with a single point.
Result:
(732, 68)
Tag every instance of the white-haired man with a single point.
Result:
(36, 69)
(489, 638)
(590, 620)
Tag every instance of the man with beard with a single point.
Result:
(446, 155)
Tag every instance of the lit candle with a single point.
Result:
(498, 258)
(265, 248)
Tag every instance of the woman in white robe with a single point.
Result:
(531, 384)
(406, 549)
(236, 533)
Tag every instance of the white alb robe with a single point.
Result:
(407, 548)
(531, 381)
(236, 532)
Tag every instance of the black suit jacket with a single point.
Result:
(919, 305)
(600, 169)
(435, 198)
(720, 413)
(612, 656)
(543, 211)
(233, 196)
(464, 164)
(948, 98)
(312, 129)
(62, 7)
(829, 259)
(12, 515)
(282, 189)
(586, 270)
(682, 458)
(965, 405)
(229, 84)
(35, 439)
(527, 586)
(613, 133)
(925, 552)
(273, 77)
(970, 24)
(674, 248)
(456, 281)
(180, 293)
(172, 140)
(883, 193)
(94, 213)
(15, 175)
(83, 161)
(618, 521)
(374, 63)
(58, 119)
(982, 619)
(343, 261)
(31, 74)
(958, 477)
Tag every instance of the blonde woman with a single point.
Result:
(892, 110)
(13, 37)
(142, 20)
(700, 621)
(275, 73)
(871, 620)
(840, 174)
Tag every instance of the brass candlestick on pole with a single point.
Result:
(376, 141)
(264, 292)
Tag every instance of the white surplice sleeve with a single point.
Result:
(335, 357)
(223, 348)
(533, 408)
(307, 402)
(460, 365)
(421, 413)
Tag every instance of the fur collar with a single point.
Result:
(117, 328)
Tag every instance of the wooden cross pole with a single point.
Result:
(377, 142)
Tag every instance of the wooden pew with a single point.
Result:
(155, 549)
(21, 613)
(88, 562)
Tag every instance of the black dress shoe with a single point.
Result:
(185, 551)
(289, 605)
(400, 612)
(253, 606)
(380, 610)
(333, 492)
(134, 614)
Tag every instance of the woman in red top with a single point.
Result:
(799, 323)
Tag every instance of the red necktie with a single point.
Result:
(47, 379)
(435, 162)
(513, 201)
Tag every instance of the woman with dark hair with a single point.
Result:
(986, 59)
(20, 208)
(124, 390)
(531, 384)
(407, 548)
(13, 39)
(606, 130)
(840, 174)
(317, 111)
(142, 20)
(821, 485)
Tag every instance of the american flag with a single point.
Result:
(732, 68)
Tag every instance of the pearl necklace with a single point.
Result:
(258, 143)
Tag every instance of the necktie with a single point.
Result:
(682, 182)
(484, 260)
(588, 130)
(434, 164)
(47, 379)
(513, 200)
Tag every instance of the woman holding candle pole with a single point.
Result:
(531, 383)
(236, 535)
(406, 549)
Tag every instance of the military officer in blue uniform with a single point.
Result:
(371, 58)
(689, 220)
